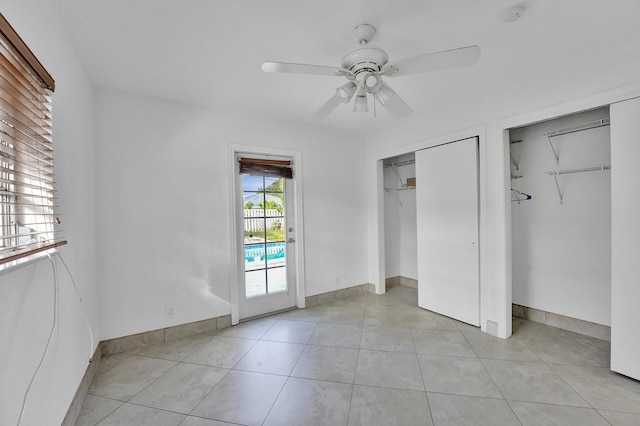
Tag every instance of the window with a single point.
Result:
(27, 197)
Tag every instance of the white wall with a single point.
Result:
(561, 253)
(26, 294)
(400, 220)
(164, 208)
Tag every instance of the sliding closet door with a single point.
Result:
(447, 210)
(625, 235)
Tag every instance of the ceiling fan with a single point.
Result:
(365, 66)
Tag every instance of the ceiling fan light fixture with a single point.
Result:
(360, 102)
(346, 91)
(372, 82)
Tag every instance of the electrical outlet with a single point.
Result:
(169, 311)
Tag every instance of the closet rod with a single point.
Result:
(400, 163)
(399, 189)
(578, 127)
(586, 169)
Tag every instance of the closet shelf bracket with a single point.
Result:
(572, 129)
(513, 158)
(555, 175)
(555, 153)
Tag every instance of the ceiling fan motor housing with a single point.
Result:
(366, 58)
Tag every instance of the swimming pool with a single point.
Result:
(253, 252)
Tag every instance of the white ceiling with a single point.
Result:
(209, 52)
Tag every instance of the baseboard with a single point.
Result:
(138, 341)
(133, 343)
(409, 282)
(401, 280)
(81, 393)
(332, 296)
(587, 328)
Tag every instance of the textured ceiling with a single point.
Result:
(209, 52)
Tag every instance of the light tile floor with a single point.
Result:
(365, 360)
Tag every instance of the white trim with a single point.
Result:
(236, 225)
(233, 240)
(430, 142)
(376, 248)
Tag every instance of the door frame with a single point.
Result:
(236, 224)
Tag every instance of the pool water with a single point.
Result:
(254, 252)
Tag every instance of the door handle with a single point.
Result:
(291, 240)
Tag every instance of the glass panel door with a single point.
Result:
(267, 266)
(264, 232)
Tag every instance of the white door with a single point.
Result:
(447, 213)
(625, 234)
(267, 280)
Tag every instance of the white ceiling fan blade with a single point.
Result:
(392, 102)
(287, 67)
(328, 107)
(455, 58)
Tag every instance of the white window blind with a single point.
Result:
(28, 222)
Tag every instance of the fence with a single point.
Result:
(254, 219)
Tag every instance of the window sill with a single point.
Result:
(29, 259)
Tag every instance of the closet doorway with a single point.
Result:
(561, 222)
(400, 230)
(432, 227)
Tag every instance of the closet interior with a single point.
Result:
(401, 262)
(561, 222)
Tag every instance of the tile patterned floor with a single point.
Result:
(365, 360)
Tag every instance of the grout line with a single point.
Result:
(209, 393)
(397, 304)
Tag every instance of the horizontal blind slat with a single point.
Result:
(29, 101)
(16, 71)
(7, 130)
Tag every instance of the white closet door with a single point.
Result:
(447, 210)
(625, 235)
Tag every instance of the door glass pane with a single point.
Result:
(275, 254)
(255, 283)
(264, 235)
(277, 278)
